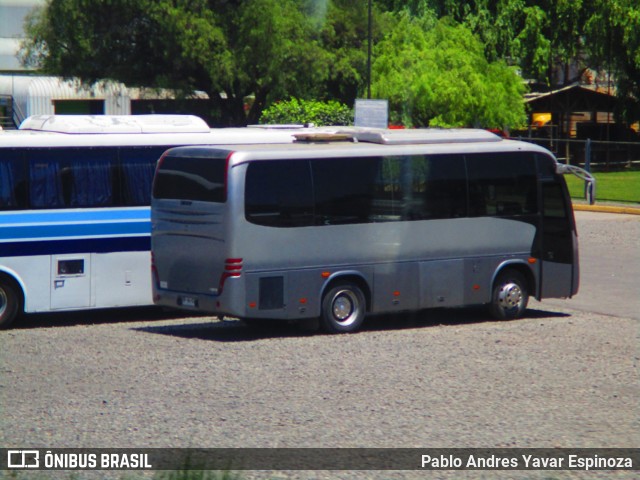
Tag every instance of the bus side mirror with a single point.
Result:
(582, 174)
(589, 192)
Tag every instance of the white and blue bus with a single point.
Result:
(74, 206)
(377, 221)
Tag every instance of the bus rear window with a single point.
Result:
(191, 178)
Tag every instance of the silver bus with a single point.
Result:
(341, 225)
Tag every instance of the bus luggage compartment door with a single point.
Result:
(70, 281)
(441, 283)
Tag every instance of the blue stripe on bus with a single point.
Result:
(87, 245)
(75, 230)
(71, 215)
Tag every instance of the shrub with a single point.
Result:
(308, 111)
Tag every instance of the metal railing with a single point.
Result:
(592, 155)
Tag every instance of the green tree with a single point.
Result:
(229, 49)
(613, 40)
(344, 33)
(552, 41)
(535, 34)
(437, 75)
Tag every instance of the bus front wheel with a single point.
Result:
(9, 303)
(510, 296)
(343, 308)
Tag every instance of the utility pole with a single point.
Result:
(369, 40)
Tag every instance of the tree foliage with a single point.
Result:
(534, 34)
(553, 41)
(613, 42)
(438, 76)
(277, 49)
(229, 49)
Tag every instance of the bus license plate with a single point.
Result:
(188, 302)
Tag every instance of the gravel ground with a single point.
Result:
(559, 378)
(609, 264)
(562, 377)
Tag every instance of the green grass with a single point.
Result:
(610, 186)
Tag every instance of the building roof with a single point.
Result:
(574, 98)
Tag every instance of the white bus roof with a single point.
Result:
(53, 131)
(350, 142)
(115, 124)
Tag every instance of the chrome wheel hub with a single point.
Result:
(345, 307)
(510, 296)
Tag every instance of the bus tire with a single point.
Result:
(9, 303)
(343, 308)
(510, 295)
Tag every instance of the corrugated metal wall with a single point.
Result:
(37, 95)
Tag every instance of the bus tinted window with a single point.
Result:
(390, 189)
(438, 187)
(71, 178)
(502, 184)
(191, 178)
(137, 167)
(288, 193)
(90, 178)
(279, 194)
(77, 177)
(558, 224)
(45, 182)
(12, 181)
(345, 189)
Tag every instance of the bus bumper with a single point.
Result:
(211, 304)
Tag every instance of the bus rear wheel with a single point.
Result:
(510, 296)
(343, 308)
(9, 303)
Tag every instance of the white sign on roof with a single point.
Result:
(372, 113)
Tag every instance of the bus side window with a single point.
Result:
(45, 183)
(502, 184)
(554, 207)
(12, 181)
(387, 190)
(278, 193)
(345, 189)
(70, 178)
(137, 165)
(90, 179)
(443, 187)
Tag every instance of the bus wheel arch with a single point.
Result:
(11, 300)
(511, 289)
(345, 301)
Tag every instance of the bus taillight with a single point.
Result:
(232, 269)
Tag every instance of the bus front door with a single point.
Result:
(559, 244)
